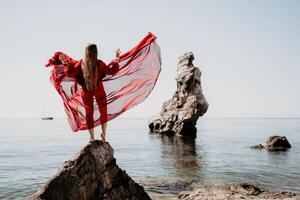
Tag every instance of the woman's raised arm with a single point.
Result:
(113, 67)
(70, 65)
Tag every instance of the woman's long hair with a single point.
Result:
(90, 66)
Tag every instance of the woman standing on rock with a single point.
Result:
(94, 93)
(89, 76)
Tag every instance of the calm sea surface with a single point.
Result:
(31, 150)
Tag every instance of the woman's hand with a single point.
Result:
(63, 59)
(118, 52)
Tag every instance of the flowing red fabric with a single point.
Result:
(124, 87)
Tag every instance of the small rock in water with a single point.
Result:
(257, 146)
(180, 114)
(277, 143)
(274, 143)
(91, 175)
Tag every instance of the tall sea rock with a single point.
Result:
(179, 115)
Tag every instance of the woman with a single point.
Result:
(94, 93)
(89, 76)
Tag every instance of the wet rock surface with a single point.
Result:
(179, 115)
(91, 175)
(166, 189)
(230, 192)
(246, 189)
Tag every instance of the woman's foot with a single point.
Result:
(92, 136)
(103, 138)
(91, 140)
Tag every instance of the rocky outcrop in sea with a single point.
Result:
(274, 143)
(91, 175)
(179, 115)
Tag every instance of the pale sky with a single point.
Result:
(248, 51)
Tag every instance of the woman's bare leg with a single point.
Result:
(103, 134)
(92, 135)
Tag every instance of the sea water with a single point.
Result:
(32, 150)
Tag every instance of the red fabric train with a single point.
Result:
(121, 86)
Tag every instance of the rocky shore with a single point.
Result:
(234, 192)
(94, 175)
(192, 190)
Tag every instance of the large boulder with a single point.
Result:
(91, 175)
(179, 115)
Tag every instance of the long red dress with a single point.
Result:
(120, 87)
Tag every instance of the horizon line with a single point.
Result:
(1, 117)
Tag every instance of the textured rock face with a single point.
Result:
(180, 114)
(91, 175)
(277, 143)
(274, 143)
